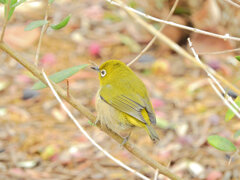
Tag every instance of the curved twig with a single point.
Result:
(155, 37)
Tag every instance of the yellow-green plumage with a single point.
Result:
(122, 100)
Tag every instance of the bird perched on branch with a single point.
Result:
(122, 100)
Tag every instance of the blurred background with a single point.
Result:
(39, 141)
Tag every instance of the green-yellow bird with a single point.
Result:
(122, 100)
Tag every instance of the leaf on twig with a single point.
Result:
(35, 24)
(11, 8)
(62, 24)
(237, 134)
(238, 58)
(229, 114)
(18, 3)
(221, 143)
(60, 76)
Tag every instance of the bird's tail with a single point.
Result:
(152, 133)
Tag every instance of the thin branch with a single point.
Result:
(233, 3)
(232, 156)
(156, 175)
(219, 52)
(214, 80)
(155, 37)
(75, 103)
(5, 21)
(225, 37)
(177, 48)
(43, 30)
(223, 99)
(86, 134)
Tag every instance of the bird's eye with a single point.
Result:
(103, 72)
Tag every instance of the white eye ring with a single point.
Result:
(103, 72)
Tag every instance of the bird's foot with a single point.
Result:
(125, 140)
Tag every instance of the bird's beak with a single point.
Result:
(96, 68)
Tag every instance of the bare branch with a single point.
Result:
(177, 48)
(156, 175)
(155, 37)
(213, 80)
(43, 30)
(225, 37)
(233, 3)
(5, 21)
(219, 52)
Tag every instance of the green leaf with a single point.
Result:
(35, 24)
(11, 8)
(221, 143)
(59, 76)
(62, 24)
(131, 43)
(50, 1)
(18, 3)
(229, 114)
(237, 134)
(238, 58)
(3, 1)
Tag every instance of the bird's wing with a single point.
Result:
(131, 104)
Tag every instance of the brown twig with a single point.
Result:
(233, 3)
(68, 93)
(129, 146)
(176, 47)
(43, 30)
(225, 37)
(155, 37)
(219, 52)
(5, 20)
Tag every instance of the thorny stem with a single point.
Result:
(155, 37)
(128, 145)
(5, 20)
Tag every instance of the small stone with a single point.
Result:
(196, 169)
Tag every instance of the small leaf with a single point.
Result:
(221, 143)
(60, 76)
(62, 24)
(50, 1)
(18, 3)
(3, 1)
(237, 134)
(238, 58)
(35, 24)
(229, 114)
(11, 8)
